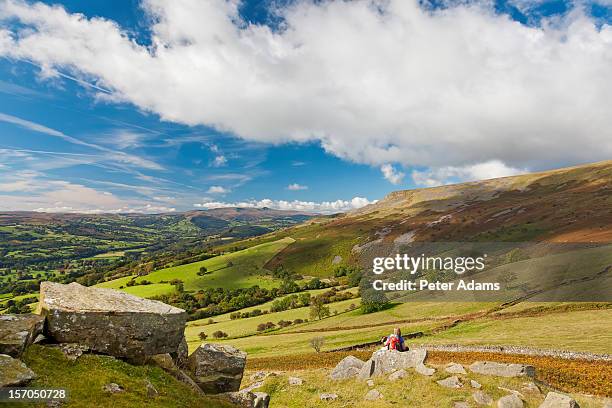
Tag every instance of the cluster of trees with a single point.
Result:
(244, 315)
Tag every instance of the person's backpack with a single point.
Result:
(394, 343)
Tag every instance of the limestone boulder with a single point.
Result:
(13, 372)
(557, 400)
(386, 361)
(502, 369)
(247, 399)
(349, 367)
(110, 322)
(451, 382)
(19, 331)
(510, 401)
(217, 368)
(454, 368)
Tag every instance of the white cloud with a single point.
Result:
(296, 187)
(219, 161)
(392, 175)
(451, 174)
(217, 190)
(398, 84)
(324, 207)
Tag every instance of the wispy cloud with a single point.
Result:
(391, 174)
(218, 190)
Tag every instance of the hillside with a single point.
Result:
(566, 205)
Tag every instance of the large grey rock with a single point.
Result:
(166, 363)
(295, 381)
(262, 400)
(19, 331)
(349, 367)
(386, 361)
(451, 382)
(454, 368)
(13, 372)
(482, 398)
(181, 354)
(510, 401)
(557, 400)
(217, 368)
(110, 322)
(502, 369)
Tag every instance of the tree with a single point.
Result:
(318, 309)
(372, 300)
(317, 343)
(203, 271)
(203, 336)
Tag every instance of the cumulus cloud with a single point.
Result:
(451, 174)
(391, 174)
(296, 187)
(324, 207)
(218, 190)
(398, 84)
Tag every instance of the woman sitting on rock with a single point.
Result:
(395, 341)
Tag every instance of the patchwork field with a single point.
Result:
(239, 269)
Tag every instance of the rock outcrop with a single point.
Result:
(502, 369)
(386, 361)
(247, 399)
(454, 368)
(349, 367)
(19, 331)
(13, 372)
(110, 322)
(217, 368)
(557, 400)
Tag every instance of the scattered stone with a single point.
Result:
(151, 390)
(241, 399)
(557, 400)
(40, 339)
(512, 391)
(54, 404)
(72, 351)
(454, 368)
(112, 388)
(461, 404)
(399, 374)
(386, 361)
(530, 388)
(475, 384)
(482, 398)
(13, 372)
(451, 382)
(424, 370)
(373, 395)
(253, 386)
(510, 401)
(262, 400)
(258, 376)
(19, 331)
(295, 381)
(349, 367)
(109, 321)
(337, 259)
(327, 396)
(370, 383)
(217, 368)
(607, 404)
(502, 369)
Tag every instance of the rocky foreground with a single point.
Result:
(78, 319)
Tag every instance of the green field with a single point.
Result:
(246, 270)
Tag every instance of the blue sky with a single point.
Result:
(134, 107)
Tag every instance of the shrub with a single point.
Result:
(317, 343)
(219, 334)
(203, 336)
(298, 321)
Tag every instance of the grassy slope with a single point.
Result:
(85, 378)
(411, 391)
(247, 270)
